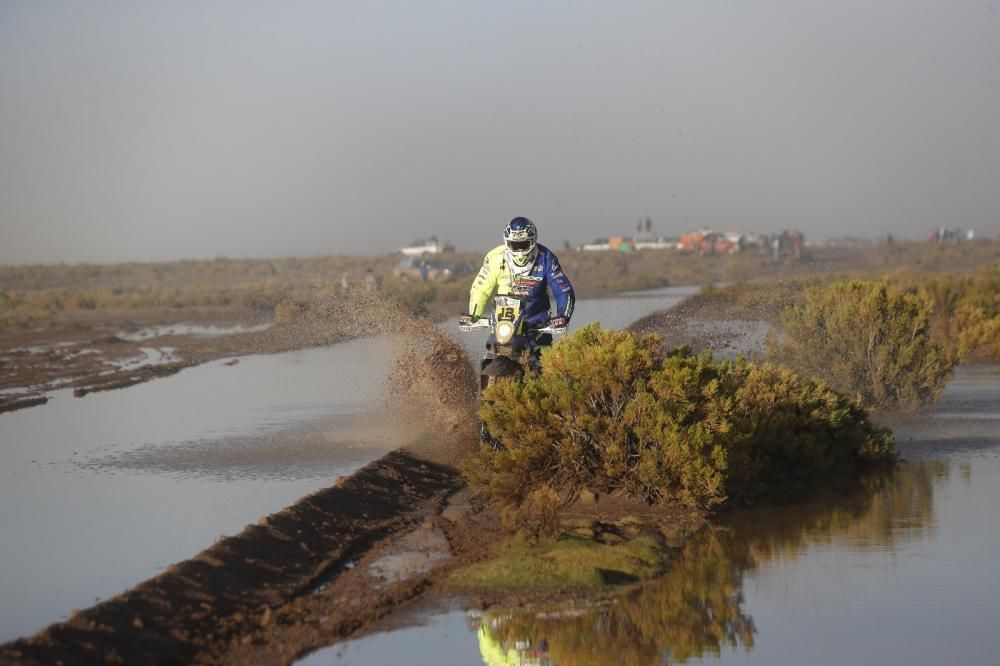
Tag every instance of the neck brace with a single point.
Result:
(520, 270)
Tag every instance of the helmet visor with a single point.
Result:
(519, 246)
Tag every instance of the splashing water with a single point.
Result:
(431, 391)
(433, 388)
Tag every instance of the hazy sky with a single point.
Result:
(159, 130)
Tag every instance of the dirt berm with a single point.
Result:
(294, 582)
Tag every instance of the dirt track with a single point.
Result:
(271, 593)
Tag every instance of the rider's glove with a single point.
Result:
(558, 322)
(468, 319)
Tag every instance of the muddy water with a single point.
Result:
(894, 569)
(99, 493)
(620, 311)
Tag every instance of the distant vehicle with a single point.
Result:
(421, 247)
(596, 245)
(656, 244)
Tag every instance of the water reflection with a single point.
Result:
(698, 608)
(901, 569)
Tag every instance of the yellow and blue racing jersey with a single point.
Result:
(533, 285)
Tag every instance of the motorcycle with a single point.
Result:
(512, 340)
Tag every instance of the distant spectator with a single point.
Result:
(371, 282)
(797, 244)
(424, 271)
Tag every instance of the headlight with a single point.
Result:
(505, 331)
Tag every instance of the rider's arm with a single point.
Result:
(482, 287)
(562, 290)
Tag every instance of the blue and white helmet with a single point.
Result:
(521, 238)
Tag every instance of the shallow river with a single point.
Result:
(101, 492)
(897, 569)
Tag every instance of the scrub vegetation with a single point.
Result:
(868, 339)
(611, 413)
(892, 341)
(38, 293)
(34, 294)
(966, 314)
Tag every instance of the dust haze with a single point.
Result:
(153, 131)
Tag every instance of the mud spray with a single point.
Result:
(432, 389)
(429, 399)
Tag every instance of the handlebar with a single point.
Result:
(482, 323)
(488, 323)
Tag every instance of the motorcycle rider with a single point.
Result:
(524, 268)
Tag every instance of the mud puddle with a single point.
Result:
(897, 569)
(425, 636)
(194, 330)
(99, 494)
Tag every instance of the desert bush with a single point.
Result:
(609, 412)
(864, 338)
(966, 312)
(975, 333)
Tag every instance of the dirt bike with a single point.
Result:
(512, 340)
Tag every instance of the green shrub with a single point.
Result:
(967, 313)
(610, 413)
(975, 333)
(865, 339)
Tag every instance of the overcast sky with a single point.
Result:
(135, 130)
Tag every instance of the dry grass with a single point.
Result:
(30, 294)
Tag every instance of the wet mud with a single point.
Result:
(14, 403)
(714, 323)
(108, 354)
(109, 362)
(289, 584)
(100, 351)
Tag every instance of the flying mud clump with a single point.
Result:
(432, 388)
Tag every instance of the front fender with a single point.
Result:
(501, 366)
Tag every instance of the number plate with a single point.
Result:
(506, 308)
